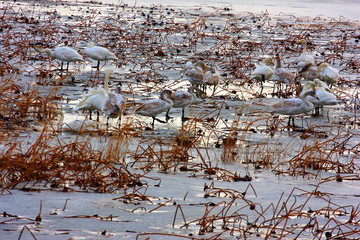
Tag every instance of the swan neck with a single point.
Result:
(304, 98)
(191, 90)
(106, 82)
(61, 120)
(48, 52)
(305, 46)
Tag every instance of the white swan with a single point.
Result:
(263, 72)
(323, 96)
(184, 98)
(294, 106)
(154, 107)
(99, 54)
(95, 99)
(76, 126)
(328, 74)
(64, 54)
(320, 83)
(304, 59)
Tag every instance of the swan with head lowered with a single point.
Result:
(195, 72)
(211, 78)
(184, 98)
(114, 105)
(76, 126)
(154, 107)
(95, 99)
(64, 54)
(99, 54)
(263, 72)
(328, 74)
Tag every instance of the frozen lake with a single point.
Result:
(231, 171)
(348, 9)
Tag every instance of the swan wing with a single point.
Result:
(182, 98)
(153, 107)
(99, 53)
(67, 54)
(93, 100)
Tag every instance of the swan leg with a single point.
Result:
(153, 122)
(289, 120)
(160, 120)
(167, 115)
(261, 84)
(62, 65)
(183, 114)
(98, 66)
(293, 122)
(67, 67)
(90, 114)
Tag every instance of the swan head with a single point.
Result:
(202, 65)
(324, 64)
(108, 72)
(199, 93)
(36, 48)
(211, 69)
(167, 93)
(268, 61)
(311, 93)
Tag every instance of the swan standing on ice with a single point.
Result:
(263, 72)
(184, 98)
(195, 72)
(212, 78)
(304, 59)
(323, 95)
(95, 99)
(99, 54)
(282, 75)
(154, 107)
(294, 106)
(114, 105)
(328, 74)
(64, 54)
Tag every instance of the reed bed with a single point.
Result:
(152, 45)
